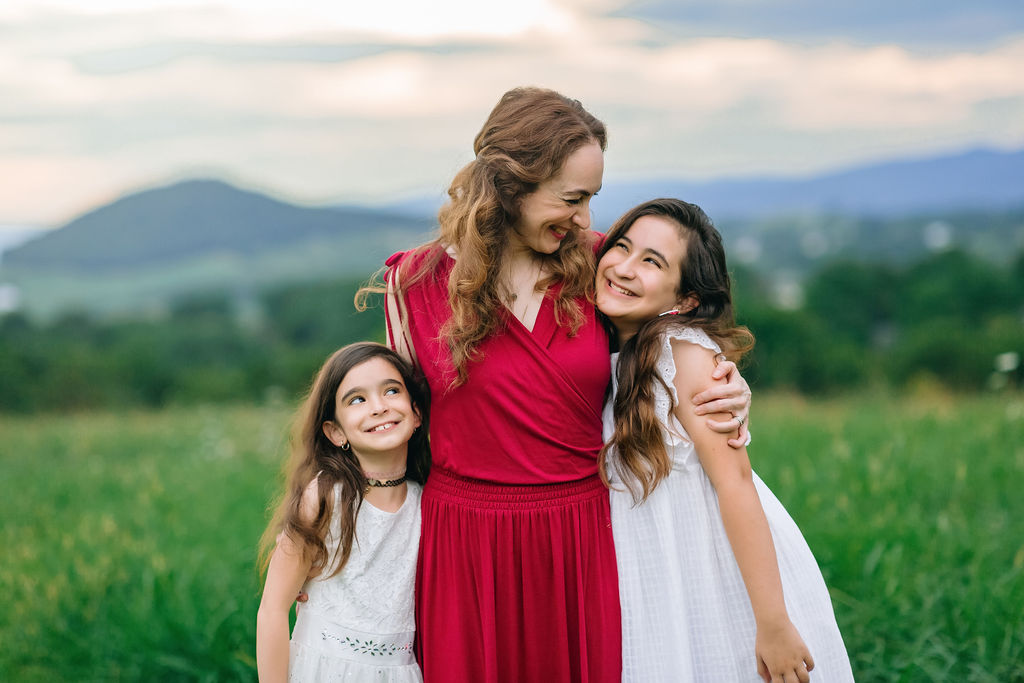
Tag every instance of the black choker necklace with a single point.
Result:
(382, 483)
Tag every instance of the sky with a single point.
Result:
(375, 102)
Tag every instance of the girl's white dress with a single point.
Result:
(358, 625)
(686, 616)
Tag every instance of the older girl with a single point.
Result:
(716, 581)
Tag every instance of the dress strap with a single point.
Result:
(395, 313)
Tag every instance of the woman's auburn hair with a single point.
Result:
(314, 458)
(641, 460)
(526, 140)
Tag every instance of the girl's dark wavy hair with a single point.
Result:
(314, 457)
(641, 460)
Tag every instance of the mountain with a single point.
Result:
(13, 235)
(147, 249)
(192, 219)
(979, 179)
(974, 180)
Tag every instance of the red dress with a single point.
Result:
(517, 579)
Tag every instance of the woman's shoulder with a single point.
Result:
(413, 264)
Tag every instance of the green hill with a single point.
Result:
(192, 219)
(145, 250)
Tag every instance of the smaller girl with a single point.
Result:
(348, 527)
(715, 580)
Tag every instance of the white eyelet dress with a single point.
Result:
(358, 625)
(686, 616)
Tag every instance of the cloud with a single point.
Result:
(944, 24)
(322, 110)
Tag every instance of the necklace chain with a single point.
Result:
(512, 292)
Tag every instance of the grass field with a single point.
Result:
(128, 539)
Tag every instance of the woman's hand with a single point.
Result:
(733, 397)
(782, 656)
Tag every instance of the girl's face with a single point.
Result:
(561, 203)
(638, 276)
(373, 410)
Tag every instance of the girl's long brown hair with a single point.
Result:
(314, 457)
(526, 139)
(641, 460)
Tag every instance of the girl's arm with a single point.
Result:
(287, 572)
(731, 399)
(781, 653)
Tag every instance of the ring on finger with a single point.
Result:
(740, 419)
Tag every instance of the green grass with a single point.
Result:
(129, 543)
(129, 539)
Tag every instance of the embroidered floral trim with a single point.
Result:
(368, 647)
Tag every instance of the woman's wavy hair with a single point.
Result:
(526, 139)
(641, 460)
(314, 457)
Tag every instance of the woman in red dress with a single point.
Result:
(517, 577)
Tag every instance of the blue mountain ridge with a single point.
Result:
(980, 179)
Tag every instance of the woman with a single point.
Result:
(517, 578)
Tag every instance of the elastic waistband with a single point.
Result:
(323, 635)
(443, 485)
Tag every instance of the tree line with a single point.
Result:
(951, 319)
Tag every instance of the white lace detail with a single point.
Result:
(666, 366)
(374, 592)
(677, 441)
(686, 614)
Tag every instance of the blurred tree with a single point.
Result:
(951, 284)
(795, 350)
(946, 318)
(854, 301)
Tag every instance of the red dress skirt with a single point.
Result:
(517, 579)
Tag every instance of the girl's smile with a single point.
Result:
(638, 277)
(373, 411)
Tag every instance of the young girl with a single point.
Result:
(715, 580)
(348, 527)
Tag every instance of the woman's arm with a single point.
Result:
(780, 649)
(730, 398)
(286, 574)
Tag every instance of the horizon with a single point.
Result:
(14, 234)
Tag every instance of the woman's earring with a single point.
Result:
(674, 311)
(345, 446)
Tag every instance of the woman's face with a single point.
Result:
(638, 276)
(561, 203)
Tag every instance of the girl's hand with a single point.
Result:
(782, 656)
(732, 397)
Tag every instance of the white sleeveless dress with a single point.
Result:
(358, 625)
(686, 616)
